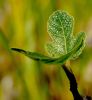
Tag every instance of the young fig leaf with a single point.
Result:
(64, 46)
(60, 29)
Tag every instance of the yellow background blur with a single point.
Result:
(23, 24)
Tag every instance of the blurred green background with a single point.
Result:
(23, 24)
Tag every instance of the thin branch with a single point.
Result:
(73, 83)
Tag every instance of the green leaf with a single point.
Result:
(60, 27)
(45, 59)
(48, 60)
(79, 36)
(64, 45)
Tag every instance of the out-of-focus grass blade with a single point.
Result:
(4, 41)
(5, 44)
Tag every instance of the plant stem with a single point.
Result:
(73, 83)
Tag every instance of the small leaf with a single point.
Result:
(60, 27)
(45, 59)
(48, 60)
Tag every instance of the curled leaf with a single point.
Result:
(48, 60)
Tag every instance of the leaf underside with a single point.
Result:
(60, 29)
